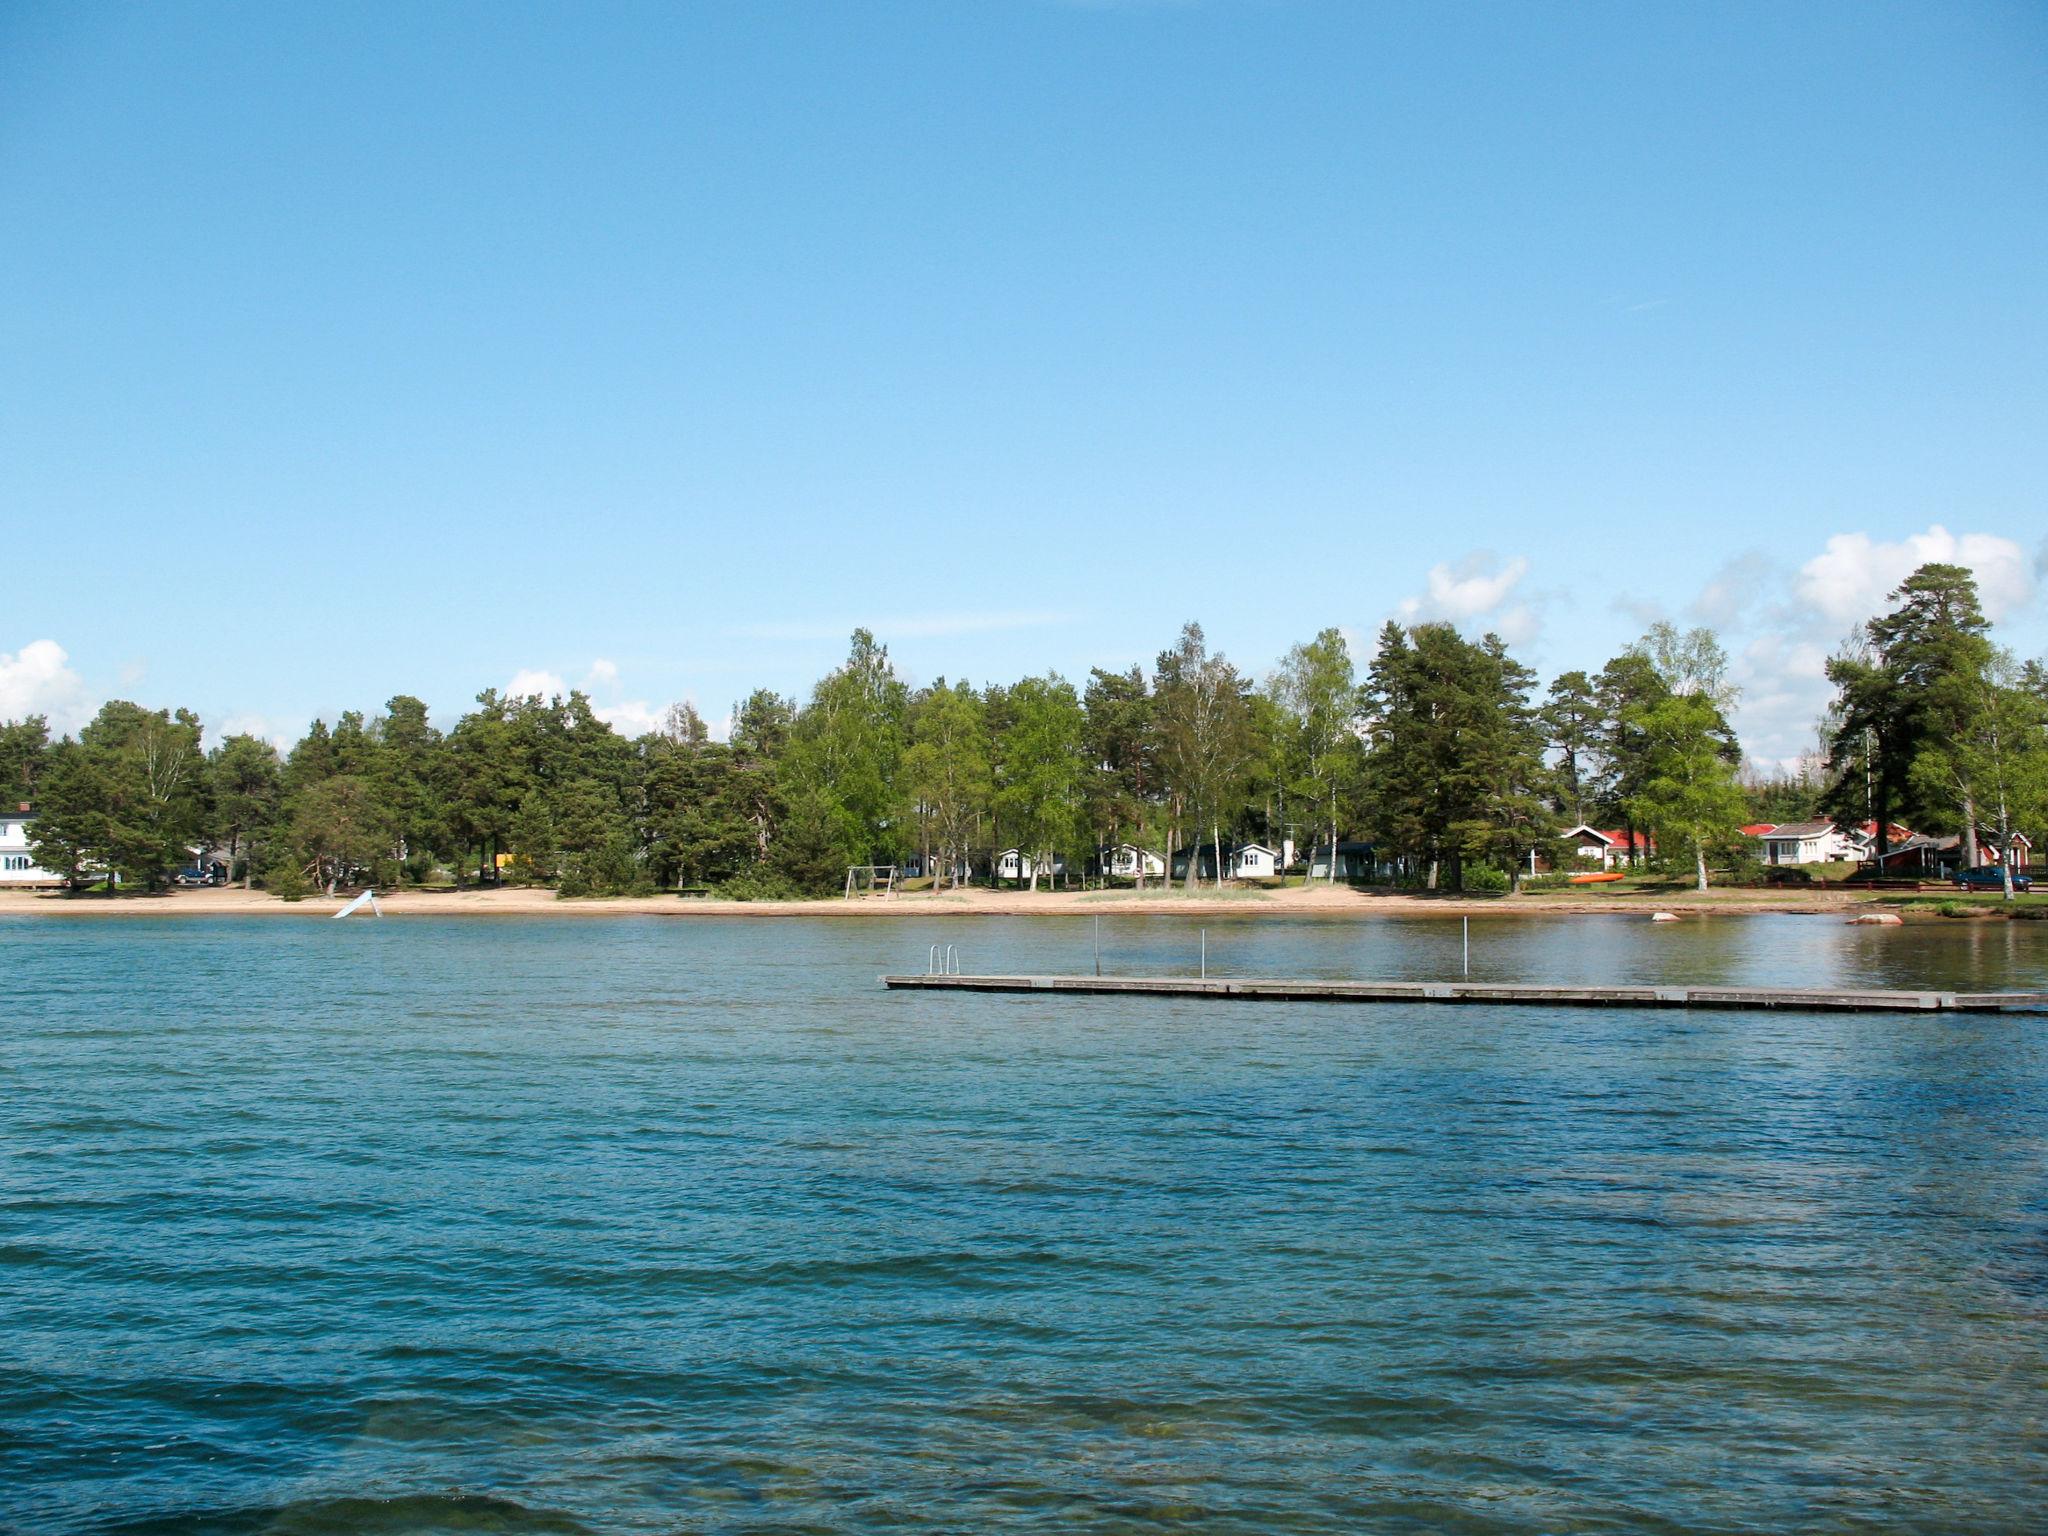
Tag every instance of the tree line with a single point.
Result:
(1441, 753)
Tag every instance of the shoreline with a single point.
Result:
(1340, 903)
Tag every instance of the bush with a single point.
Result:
(285, 880)
(1550, 882)
(758, 885)
(1483, 879)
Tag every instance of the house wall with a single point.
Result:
(17, 864)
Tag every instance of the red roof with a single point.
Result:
(1620, 838)
(1759, 828)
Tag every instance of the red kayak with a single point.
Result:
(1593, 879)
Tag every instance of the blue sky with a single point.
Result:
(352, 350)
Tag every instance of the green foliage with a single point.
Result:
(758, 884)
(948, 769)
(127, 797)
(1456, 768)
(1322, 759)
(844, 755)
(24, 751)
(247, 794)
(1202, 719)
(1120, 743)
(343, 826)
(284, 878)
(1572, 721)
(1688, 796)
(1041, 799)
(1443, 759)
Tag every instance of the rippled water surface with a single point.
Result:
(654, 1225)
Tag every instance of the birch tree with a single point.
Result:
(1201, 718)
(947, 767)
(1317, 686)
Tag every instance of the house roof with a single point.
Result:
(1257, 848)
(1615, 838)
(1912, 844)
(1800, 831)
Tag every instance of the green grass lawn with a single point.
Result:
(2032, 904)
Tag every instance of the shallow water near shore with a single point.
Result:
(535, 1225)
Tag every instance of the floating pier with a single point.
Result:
(1250, 989)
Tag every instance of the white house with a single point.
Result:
(1016, 864)
(1129, 861)
(1255, 861)
(1808, 842)
(1607, 849)
(17, 865)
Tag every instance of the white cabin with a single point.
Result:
(1016, 864)
(1255, 861)
(1129, 861)
(1808, 842)
(17, 865)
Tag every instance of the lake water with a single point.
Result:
(644, 1225)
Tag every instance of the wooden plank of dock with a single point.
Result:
(1822, 999)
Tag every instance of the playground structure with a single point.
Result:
(870, 880)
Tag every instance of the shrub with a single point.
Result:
(758, 885)
(285, 880)
(1483, 879)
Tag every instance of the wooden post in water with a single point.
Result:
(1205, 954)
(1468, 946)
(1098, 946)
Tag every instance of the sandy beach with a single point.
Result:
(1339, 902)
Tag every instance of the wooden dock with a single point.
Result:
(1251, 989)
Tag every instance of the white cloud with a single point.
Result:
(1851, 579)
(1734, 591)
(632, 717)
(260, 726)
(1785, 689)
(1478, 591)
(536, 683)
(1781, 622)
(38, 680)
(629, 717)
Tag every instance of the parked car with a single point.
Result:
(1989, 877)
